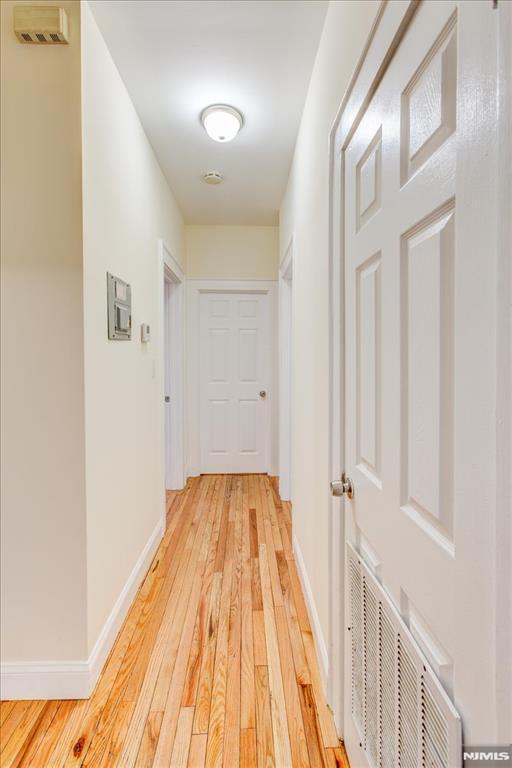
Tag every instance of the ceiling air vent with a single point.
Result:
(402, 714)
(41, 24)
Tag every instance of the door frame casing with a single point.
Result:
(195, 288)
(286, 373)
(390, 25)
(172, 315)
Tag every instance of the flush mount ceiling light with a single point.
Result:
(221, 122)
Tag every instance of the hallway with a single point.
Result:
(215, 659)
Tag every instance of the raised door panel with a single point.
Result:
(248, 356)
(219, 343)
(218, 426)
(368, 368)
(428, 377)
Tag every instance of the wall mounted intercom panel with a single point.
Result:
(119, 297)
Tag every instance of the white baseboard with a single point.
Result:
(108, 634)
(76, 679)
(318, 635)
(39, 680)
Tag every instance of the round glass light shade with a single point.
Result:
(221, 122)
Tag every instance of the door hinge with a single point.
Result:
(494, 3)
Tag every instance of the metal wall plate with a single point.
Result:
(119, 300)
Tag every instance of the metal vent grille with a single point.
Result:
(388, 691)
(407, 710)
(402, 714)
(42, 37)
(357, 692)
(371, 673)
(434, 738)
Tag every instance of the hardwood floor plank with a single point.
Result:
(215, 664)
(248, 758)
(13, 749)
(5, 709)
(12, 721)
(264, 736)
(247, 694)
(179, 757)
(149, 741)
(279, 723)
(329, 735)
(175, 688)
(204, 693)
(336, 758)
(300, 603)
(118, 735)
(260, 643)
(196, 650)
(177, 681)
(34, 743)
(231, 747)
(272, 516)
(215, 747)
(197, 753)
(58, 757)
(257, 600)
(312, 726)
(41, 757)
(300, 757)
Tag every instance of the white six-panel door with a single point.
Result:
(419, 414)
(234, 382)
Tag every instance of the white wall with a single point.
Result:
(43, 472)
(304, 213)
(232, 252)
(127, 208)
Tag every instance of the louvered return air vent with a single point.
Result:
(41, 24)
(402, 714)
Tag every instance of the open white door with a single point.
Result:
(416, 256)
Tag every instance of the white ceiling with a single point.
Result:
(178, 56)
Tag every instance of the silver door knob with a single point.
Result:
(263, 394)
(343, 486)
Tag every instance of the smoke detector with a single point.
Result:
(213, 177)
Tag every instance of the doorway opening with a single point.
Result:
(231, 406)
(173, 368)
(286, 373)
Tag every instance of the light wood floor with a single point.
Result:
(215, 664)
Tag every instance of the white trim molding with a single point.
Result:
(318, 635)
(76, 679)
(172, 324)
(286, 372)
(171, 264)
(195, 287)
